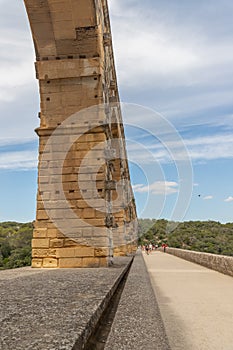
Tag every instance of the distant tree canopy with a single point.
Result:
(15, 244)
(203, 236)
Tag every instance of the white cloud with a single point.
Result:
(16, 59)
(159, 45)
(204, 148)
(229, 199)
(21, 160)
(19, 100)
(155, 53)
(157, 188)
(178, 63)
(208, 198)
(14, 141)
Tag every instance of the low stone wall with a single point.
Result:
(55, 308)
(220, 263)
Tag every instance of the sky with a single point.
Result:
(174, 62)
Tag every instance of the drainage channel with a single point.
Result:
(100, 335)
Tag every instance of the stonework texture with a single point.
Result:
(220, 263)
(85, 207)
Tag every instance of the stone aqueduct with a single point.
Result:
(75, 68)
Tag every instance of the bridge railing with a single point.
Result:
(220, 263)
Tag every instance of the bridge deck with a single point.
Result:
(196, 303)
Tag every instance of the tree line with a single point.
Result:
(203, 236)
(15, 244)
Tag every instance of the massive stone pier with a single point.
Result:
(85, 207)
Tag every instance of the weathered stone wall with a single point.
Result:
(221, 263)
(76, 72)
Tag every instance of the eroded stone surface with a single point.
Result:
(53, 309)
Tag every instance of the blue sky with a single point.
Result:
(174, 57)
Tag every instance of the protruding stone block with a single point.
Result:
(50, 262)
(40, 243)
(37, 263)
(56, 243)
(101, 252)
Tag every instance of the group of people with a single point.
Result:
(149, 247)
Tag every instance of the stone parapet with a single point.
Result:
(45, 309)
(220, 263)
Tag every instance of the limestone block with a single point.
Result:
(66, 68)
(102, 232)
(84, 252)
(96, 203)
(43, 224)
(50, 263)
(96, 222)
(54, 233)
(80, 146)
(100, 214)
(37, 263)
(43, 164)
(88, 213)
(40, 243)
(56, 243)
(72, 162)
(44, 179)
(66, 253)
(43, 253)
(91, 170)
(69, 242)
(70, 262)
(101, 252)
(70, 178)
(65, 171)
(91, 262)
(69, 186)
(42, 215)
(43, 196)
(87, 231)
(40, 233)
(73, 195)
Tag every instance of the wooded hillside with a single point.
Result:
(203, 236)
(15, 244)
